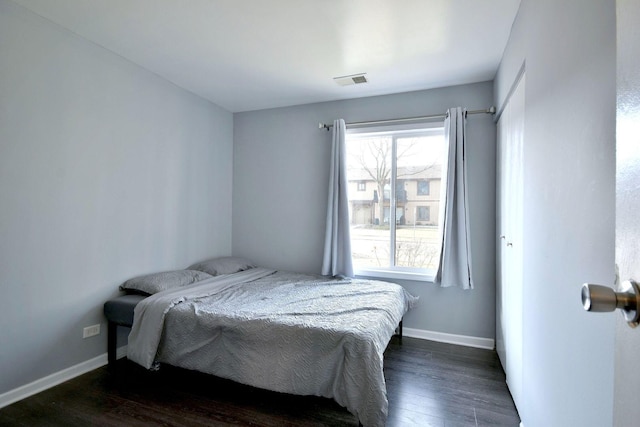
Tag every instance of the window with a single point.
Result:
(394, 233)
(423, 187)
(423, 213)
(362, 186)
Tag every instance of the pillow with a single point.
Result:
(157, 282)
(223, 265)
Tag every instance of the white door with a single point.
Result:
(626, 407)
(510, 211)
(502, 132)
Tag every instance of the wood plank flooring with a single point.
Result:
(428, 384)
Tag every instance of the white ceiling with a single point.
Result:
(254, 54)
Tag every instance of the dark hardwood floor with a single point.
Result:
(428, 384)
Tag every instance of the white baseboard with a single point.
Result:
(486, 343)
(56, 378)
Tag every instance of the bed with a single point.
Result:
(282, 331)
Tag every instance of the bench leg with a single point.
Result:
(112, 338)
(398, 332)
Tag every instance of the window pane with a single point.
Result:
(369, 160)
(394, 219)
(419, 169)
(423, 188)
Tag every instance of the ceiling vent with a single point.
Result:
(354, 79)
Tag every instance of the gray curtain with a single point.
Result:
(454, 268)
(337, 242)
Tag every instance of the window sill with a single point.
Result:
(428, 276)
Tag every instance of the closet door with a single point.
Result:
(501, 179)
(510, 212)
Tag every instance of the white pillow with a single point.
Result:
(223, 265)
(157, 282)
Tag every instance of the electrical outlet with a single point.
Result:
(90, 331)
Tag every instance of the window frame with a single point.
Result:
(393, 271)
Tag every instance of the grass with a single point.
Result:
(416, 246)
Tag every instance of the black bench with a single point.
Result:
(119, 312)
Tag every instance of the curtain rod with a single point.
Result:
(490, 110)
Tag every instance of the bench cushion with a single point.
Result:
(120, 310)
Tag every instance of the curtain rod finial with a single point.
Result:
(324, 126)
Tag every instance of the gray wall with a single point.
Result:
(106, 171)
(569, 51)
(280, 184)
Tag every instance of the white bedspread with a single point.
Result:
(280, 331)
